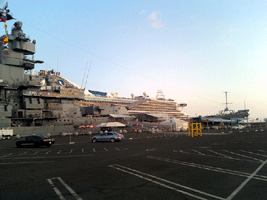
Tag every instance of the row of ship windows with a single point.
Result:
(147, 105)
(65, 120)
(101, 102)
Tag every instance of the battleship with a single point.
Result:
(231, 114)
(45, 98)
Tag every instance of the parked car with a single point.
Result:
(36, 141)
(238, 127)
(108, 137)
(6, 133)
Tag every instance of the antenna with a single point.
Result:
(226, 109)
(88, 74)
(84, 74)
(57, 63)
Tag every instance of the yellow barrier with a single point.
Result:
(194, 129)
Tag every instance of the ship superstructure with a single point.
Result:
(136, 105)
(29, 99)
(46, 98)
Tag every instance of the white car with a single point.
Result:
(238, 127)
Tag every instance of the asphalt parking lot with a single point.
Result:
(170, 166)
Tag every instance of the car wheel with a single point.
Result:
(18, 145)
(112, 140)
(94, 140)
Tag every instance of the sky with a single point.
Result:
(192, 50)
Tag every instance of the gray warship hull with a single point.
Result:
(232, 115)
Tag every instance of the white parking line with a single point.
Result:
(246, 181)
(254, 153)
(243, 155)
(55, 189)
(219, 154)
(150, 149)
(94, 149)
(35, 153)
(48, 152)
(105, 149)
(71, 150)
(181, 151)
(59, 152)
(210, 168)
(6, 155)
(22, 153)
(117, 149)
(223, 156)
(82, 150)
(66, 186)
(153, 178)
(198, 152)
(70, 190)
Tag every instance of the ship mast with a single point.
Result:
(226, 109)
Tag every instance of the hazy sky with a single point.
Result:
(192, 50)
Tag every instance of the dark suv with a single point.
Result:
(36, 141)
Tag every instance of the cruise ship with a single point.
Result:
(137, 104)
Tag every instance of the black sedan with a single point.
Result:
(36, 141)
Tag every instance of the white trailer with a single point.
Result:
(6, 133)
